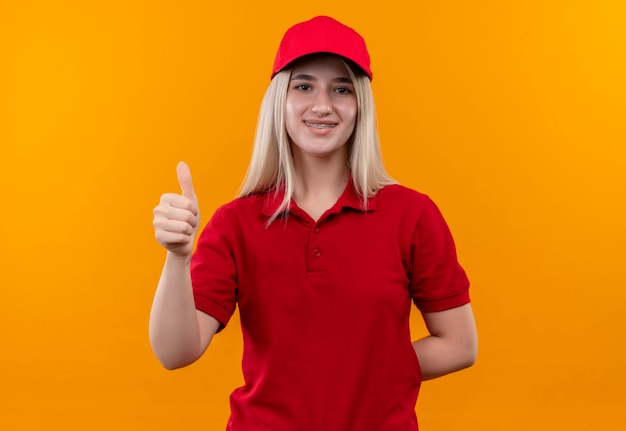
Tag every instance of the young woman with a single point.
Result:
(323, 253)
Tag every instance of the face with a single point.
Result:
(321, 107)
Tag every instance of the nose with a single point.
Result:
(322, 104)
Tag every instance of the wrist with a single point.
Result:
(178, 259)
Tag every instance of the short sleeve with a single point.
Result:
(213, 270)
(437, 280)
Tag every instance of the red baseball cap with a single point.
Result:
(322, 34)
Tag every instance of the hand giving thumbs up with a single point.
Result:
(177, 217)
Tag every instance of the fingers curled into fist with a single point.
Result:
(177, 217)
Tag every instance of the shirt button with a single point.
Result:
(317, 229)
(317, 252)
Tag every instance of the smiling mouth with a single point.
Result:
(320, 125)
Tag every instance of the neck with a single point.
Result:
(321, 178)
(319, 183)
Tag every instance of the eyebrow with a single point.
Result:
(305, 77)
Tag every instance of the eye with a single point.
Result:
(303, 87)
(343, 90)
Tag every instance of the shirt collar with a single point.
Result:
(348, 199)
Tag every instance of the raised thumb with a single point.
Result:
(184, 179)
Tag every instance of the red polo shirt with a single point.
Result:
(324, 306)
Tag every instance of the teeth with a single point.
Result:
(320, 125)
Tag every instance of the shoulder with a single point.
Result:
(243, 205)
(257, 207)
(231, 218)
(400, 190)
(409, 205)
(239, 210)
(398, 195)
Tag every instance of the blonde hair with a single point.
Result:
(271, 166)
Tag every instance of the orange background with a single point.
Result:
(510, 114)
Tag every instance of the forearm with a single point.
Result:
(174, 330)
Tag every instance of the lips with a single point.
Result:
(320, 125)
